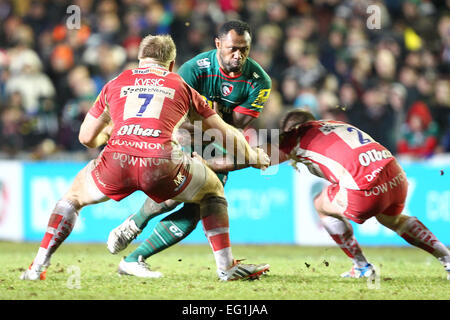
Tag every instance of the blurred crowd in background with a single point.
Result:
(392, 81)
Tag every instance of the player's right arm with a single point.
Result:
(94, 132)
(97, 126)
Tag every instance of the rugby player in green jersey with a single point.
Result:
(236, 87)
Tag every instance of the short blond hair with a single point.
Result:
(160, 48)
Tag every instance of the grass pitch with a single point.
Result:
(88, 272)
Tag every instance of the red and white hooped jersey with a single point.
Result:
(337, 152)
(146, 106)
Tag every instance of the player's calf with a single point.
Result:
(214, 213)
(417, 234)
(60, 225)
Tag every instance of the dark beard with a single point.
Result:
(229, 68)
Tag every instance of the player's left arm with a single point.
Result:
(251, 108)
(243, 116)
(242, 121)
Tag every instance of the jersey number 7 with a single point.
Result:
(147, 104)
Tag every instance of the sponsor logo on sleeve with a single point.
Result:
(261, 99)
(203, 63)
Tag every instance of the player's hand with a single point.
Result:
(262, 159)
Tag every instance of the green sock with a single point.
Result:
(169, 231)
(148, 211)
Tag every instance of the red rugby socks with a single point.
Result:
(342, 234)
(60, 225)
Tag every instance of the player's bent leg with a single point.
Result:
(417, 234)
(120, 237)
(177, 225)
(169, 231)
(214, 215)
(82, 192)
(151, 209)
(214, 211)
(341, 231)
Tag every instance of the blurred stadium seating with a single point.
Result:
(327, 55)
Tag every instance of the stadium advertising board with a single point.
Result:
(263, 208)
(45, 184)
(260, 207)
(11, 201)
(428, 200)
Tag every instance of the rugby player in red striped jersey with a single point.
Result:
(137, 113)
(365, 181)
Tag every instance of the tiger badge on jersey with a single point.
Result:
(226, 89)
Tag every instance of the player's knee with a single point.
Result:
(318, 205)
(152, 207)
(73, 198)
(212, 204)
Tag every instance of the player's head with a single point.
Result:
(294, 118)
(233, 45)
(159, 49)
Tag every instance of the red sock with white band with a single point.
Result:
(60, 225)
(217, 231)
(342, 234)
(415, 233)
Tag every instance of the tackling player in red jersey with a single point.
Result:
(137, 114)
(366, 181)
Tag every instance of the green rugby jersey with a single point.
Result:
(245, 93)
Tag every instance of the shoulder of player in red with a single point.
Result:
(146, 105)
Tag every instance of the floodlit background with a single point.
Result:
(380, 65)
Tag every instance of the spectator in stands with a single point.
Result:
(419, 133)
(349, 102)
(28, 79)
(376, 118)
(397, 103)
(441, 112)
(302, 45)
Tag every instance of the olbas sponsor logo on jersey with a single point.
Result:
(136, 130)
(373, 155)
